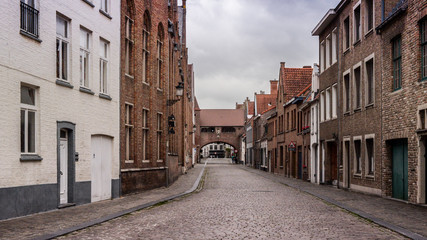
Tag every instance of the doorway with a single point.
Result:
(63, 167)
(101, 168)
(400, 169)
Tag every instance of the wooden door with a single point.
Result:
(400, 169)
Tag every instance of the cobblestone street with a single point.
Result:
(237, 204)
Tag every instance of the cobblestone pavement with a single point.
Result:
(237, 204)
(35, 225)
(401, 214)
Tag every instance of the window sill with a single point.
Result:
(396, 91)
(369, 33)
(29, 35)
(370, 177)
(357, 175)
(89, 3)
(371, 105)
(356, 43)
(422, 81)
(145, 161)
(64, 83)
(159, 90)
(129, 76)
(30, 158)
(105, 96)
(86, 90)
(105, 14)
(146, 84)
(421, 130)
(347, 50)
(129, 161)
(357, 110)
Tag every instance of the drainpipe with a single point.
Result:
(382, 10)
(338, 113)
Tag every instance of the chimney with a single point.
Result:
(273, 86)
(261, 92)
(282, 64)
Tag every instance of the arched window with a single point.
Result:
(145, 41)
(160, 34)
(129, 38)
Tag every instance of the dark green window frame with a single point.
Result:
(424, 50)
(397, 62)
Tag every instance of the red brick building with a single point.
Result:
(403, 37)
(154, 62)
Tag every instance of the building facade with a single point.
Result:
(61, 99)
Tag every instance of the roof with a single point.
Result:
(222, 117)
(269, 109)
(295, 80)
(264, 102)
(328, 18)
(400, 7)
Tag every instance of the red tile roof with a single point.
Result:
(269, 109)
(222, 117)
(295, 80)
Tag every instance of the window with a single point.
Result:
(103, 67)
(288, 127)
(357, 24)
(346, 151)
(105, 6)
(346, 34)
(159, 136)
(328, 104)
(322, 56)
(62, 45)
(328, 51)
(159, 60)
(129, 131)
(346, 92)
(422, 116)
(145, 134)
(397, 63)
(28, 119)
(145, 52)
(29, 18)
(334, 46)
(281, 156)
(129, 46)
(369, 15)
(322, 106)
(334, 101)
(370, 164)
(357, 90)
(369, 74)
(228, 129)
(357, 156)
(424, 50)
(84, 58)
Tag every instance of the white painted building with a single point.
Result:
(314, 132)
(59, 69)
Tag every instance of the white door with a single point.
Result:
(101, 168)
(63, 169)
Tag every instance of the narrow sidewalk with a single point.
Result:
(407, 219)
(57, 222)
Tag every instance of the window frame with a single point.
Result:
(29, 15)
(423, 46)
(347, 94)
(334, 51)
(328, 102)
(357, 95)
(29, 108)
(129, 133)
(397, 60)
(357, 32)
(365, 71)
(159, 64)
(145, 134)
(368, 16)
(346, 34)
(61, 40)
(106, 4)
(422, 109)
(368, 163)
(85, 54)
(357, 163)
(103, 62)
(334, 101)
(322, 56)
(159, 136)
(129, 46)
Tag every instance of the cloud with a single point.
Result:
(237, 45)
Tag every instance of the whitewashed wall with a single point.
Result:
(23, 60)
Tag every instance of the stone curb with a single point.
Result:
(402, 231)
(121, 213)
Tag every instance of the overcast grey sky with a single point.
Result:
(237, 45)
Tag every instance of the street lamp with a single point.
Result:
(179, 93)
